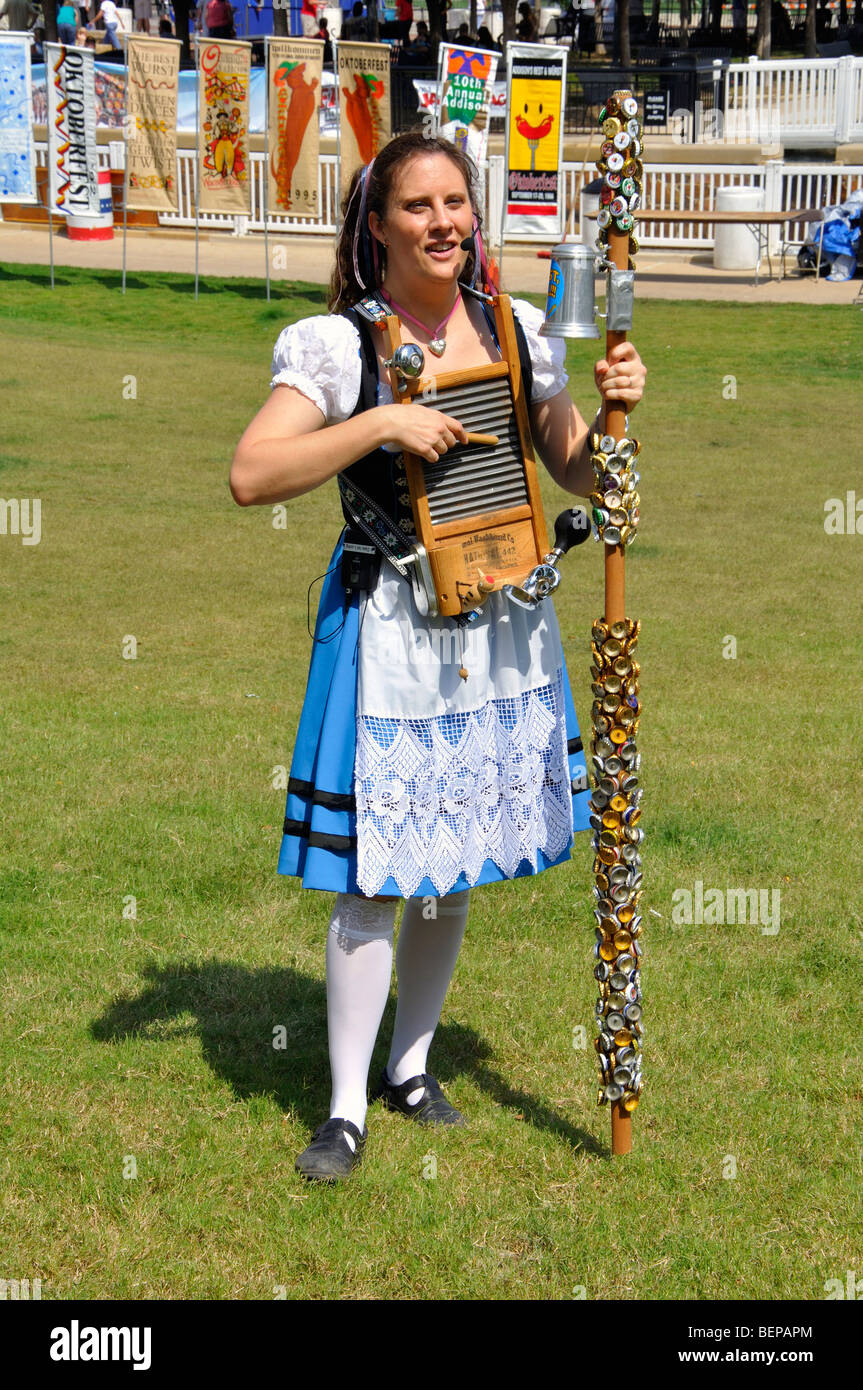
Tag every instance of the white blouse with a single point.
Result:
(320, 356)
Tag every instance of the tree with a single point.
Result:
(435, 11)
(715, 18)
(764, 29)
(49, 15)
(811, 49)
(182, 10)
(685, 18)
(509, 12)
(621, 19)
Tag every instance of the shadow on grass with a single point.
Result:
(236, 1011)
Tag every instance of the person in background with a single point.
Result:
(324, 33)
(309, 18)
(142, 16)
(220, 19)
(418, 51)
(111, 19)
(405, 17)
(67, 25)
(463, 34)
(356, 27)
(20, 14)
(526, 29)
(166, 29)
(485, 40)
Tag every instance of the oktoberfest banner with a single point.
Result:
(294, 78)
(151, 123)
(17, 151)
(73, 161)
(465, 83)
(536, 90)
(363, 77)
(224, 184)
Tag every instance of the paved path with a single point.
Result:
(661, 274)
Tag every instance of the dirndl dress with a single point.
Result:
(407, 780)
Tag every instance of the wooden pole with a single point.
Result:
(621, 166)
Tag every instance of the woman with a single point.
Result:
(67, 25)
(407, 780)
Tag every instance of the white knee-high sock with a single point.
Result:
(359, 970)
(425, 959)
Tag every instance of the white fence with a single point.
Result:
(808, 102)
(689, 187)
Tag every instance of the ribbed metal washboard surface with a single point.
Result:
(476, 478)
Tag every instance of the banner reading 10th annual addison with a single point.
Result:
(465, 81)
(536, 92)
(224, 184)
(293, 97)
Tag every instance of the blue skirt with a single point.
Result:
(319, 843)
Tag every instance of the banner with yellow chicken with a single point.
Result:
(536, 99)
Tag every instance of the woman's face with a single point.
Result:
(428, 217)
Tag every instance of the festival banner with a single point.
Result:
(363, 77)
(224, 183)
(536, 89)
(73, 161)
(17, 151)
(294, 78)
(151, 123)
(465, 83)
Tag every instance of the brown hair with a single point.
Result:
(345, 289)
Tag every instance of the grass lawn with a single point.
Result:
(144, 1044)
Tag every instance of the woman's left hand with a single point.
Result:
(620, 376)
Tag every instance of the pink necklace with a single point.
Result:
(437, 344)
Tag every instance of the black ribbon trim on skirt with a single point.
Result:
(331, 801)
(316, 840)
(574, 745)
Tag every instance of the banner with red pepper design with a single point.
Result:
(363, 78)
(536, 97)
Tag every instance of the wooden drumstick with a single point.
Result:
(490, 439)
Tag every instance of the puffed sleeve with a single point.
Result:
(320, 356)
(546, 354)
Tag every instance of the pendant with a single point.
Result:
(437, 346)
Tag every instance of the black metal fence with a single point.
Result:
(661, 88)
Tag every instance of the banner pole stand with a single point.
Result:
(266, 154)
(197, 156)
(125, 150)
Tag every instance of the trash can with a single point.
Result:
(588, 202)
(100, 227)
(736, 246)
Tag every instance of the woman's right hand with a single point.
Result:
(420, 430)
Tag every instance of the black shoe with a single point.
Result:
(329, 1156)
(432, 1108)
